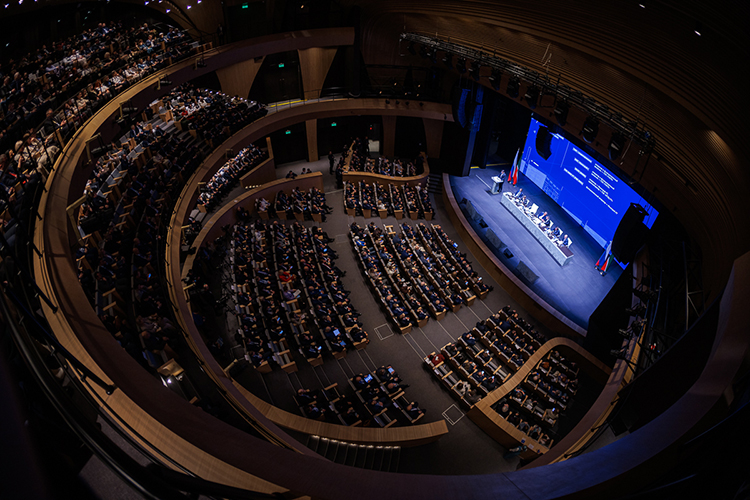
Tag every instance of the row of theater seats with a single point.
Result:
(412, 281)
(122, 215)
(46, 97)
(360, 161)
(299, 205)
(226, 178)
(373, 399)
(288, 296)
(484, 358)
(535, 406)
(211, 115)
(369, 200)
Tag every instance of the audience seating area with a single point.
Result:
(121, 217)
(383, 200)
(289, 297)
(299, 205)
(227, 177)
(47, 95)
(406, 278)
(485, 357)
(208, 114)
(356, 158)
(535, 406)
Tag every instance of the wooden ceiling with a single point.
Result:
(645, 62)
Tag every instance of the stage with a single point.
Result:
(576, 288)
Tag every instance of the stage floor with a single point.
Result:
(576, 288)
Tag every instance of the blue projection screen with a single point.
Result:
(595, 197)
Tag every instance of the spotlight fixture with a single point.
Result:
(698, 28)
(410, 48)
(461, 65)
(532, 96)
(615, 146)
(625, 333)
(474, 70)
(448, 60)
(590, 129)
(494, 79)
(561, 112)
(387, 101)
(513, 87)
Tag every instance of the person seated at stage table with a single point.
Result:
(557, 232)
(518, 194)
(566, 240)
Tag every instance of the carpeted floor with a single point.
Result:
(466, 449)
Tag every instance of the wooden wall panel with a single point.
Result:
(433, 131)
(314, 64)
(238, 78)
(311, 126)
(389, 136)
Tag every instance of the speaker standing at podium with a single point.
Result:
(497, 186)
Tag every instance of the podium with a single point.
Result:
(497, 182)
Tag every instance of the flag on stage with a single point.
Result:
(513, 176)
(605, 260)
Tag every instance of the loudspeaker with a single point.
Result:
(460, 99)
(493, 240)
(526, 273)
(630, 234)
(544, 142)
(471, 211)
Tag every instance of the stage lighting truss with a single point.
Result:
(565, 95)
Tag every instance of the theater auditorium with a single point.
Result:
(338, 249)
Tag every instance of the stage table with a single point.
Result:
(561, 254)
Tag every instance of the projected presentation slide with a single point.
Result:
(595, 197)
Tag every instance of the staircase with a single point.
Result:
(378, 458)
(435, 184)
